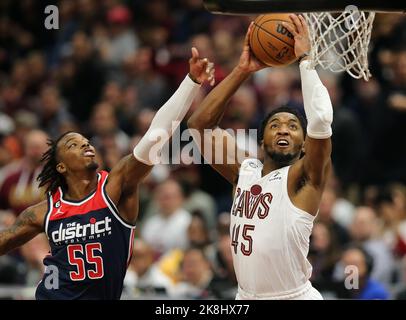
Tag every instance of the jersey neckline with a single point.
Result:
(82, 201)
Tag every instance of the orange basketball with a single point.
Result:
(271, 42)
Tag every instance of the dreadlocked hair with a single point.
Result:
(49, 176)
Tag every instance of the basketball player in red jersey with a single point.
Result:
(89, 216)
(275, 201)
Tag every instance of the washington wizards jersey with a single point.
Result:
(91, 247)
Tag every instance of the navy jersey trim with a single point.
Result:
(113, 207)
(48, 214)
(80, 202)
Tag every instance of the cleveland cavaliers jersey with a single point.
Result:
(91, 247)
(269, 235)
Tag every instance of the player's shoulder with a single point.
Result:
(39, 208)
(36, 212)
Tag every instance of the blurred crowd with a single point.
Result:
(112, 64)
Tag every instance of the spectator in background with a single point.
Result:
(274, 85)
(143, 275)
(226, 48)
(124, 104)
(81, 77)
(226, 285)
(52, 110)
(194, 19)
(151, 86)
(199, 235)
(324, 253)
(326, 216)
(33, 253)
(196, 200)
(346, 138)
(19, 188)
(196, 276)
(388, 122)
(167, 228)
(9, 145)
(105, 132)
(12, 92)
(37, 72)
(122, 41)
(240, 116)
(361, 264)
(364, 231)
(390, 208)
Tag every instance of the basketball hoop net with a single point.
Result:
(339, 41)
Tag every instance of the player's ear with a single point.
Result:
(261, 144)
(61, 168)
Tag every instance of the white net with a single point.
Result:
(340, 41)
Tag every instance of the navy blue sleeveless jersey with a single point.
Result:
(91, 247)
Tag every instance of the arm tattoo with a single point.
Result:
(19, 233)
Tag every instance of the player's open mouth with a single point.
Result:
(89, 153)
(282, 143)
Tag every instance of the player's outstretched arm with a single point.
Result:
(123, 181)
(28, 224)
(205, 120)
(315, 165)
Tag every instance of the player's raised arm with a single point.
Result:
(123, 181)
(28, 224)
(319, 112)
(211, 111)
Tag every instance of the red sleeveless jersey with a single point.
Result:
(91, 247)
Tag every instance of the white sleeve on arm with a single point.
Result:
(160, 130)
(317, 103)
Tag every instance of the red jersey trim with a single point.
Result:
(97, 200)
(80, 202)
(62, 209)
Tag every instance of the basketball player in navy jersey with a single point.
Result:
(89, 216)
(275, 200)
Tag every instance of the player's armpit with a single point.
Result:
(28, 224)
(306, 182)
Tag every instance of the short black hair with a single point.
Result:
(49, 176)
(294, 111)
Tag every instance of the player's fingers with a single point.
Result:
(296, 22)
(195, 54)
(209, 66)
(247, 35)
(211, 76)
(202, 63)
(212, 80)
(212, 72)
(304, 24)
(290, 28)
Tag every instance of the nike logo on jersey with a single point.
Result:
(275, 176)
(59, 211)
